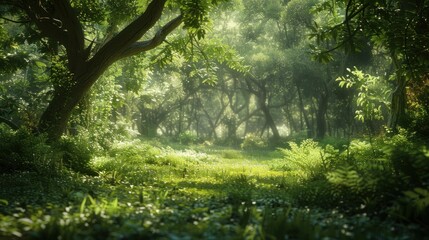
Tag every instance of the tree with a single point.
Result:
(313, 81)
(63, 24)
(400, 27)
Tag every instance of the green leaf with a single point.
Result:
(4, 202)
(411, 194)
(82, 205)
(40, 64)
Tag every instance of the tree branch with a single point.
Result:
(249, 116)
(9, 123)
(113, 50)
(159, 37)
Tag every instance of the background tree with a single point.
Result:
(199, 86)
(400, 27)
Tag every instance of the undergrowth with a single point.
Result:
(22, 151)
(306, 190)
(387, 178)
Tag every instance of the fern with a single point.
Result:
(419, 198)
(413, 206)
(346, 177)
(309, 159)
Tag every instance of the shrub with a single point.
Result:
(22, 151)
(364, 153)
(231, 154)
(410, 164)
(409, 159)
(76, 155)
(233, 142)
(337, 143)
(413, 206)
(187, 155)
(135, 152)
(252, 142)
(239, 189)
(366, 177)
(392, 172)
(187, 138)
(308, 159)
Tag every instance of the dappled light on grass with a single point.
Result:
(146, 191)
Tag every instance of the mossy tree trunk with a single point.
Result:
(398, 103)
(397, 116)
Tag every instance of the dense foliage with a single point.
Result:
(151, 190)
(214, 119)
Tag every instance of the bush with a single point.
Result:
(231, 154)
(229, 142)
(76, 155)
(413, 206)
(308, 159)
(135, 152)
(22, 151)
(187, 138)
(367, 177)
(253, 142)
(337, 143)
(239, 189)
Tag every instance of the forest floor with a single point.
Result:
(161, 192)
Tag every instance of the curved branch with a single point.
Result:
(114, 48)
(9, 123)
(159, 37)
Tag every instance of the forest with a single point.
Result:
(214, 119)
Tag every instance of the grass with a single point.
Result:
(158, 192)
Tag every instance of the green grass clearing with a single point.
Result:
(184, 193)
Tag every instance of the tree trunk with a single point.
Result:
(397, 116)
(321, 116)
(304, 114)
(150, 121)
(151, 129)
(293, 126)
(56, 116)
(267, 114)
